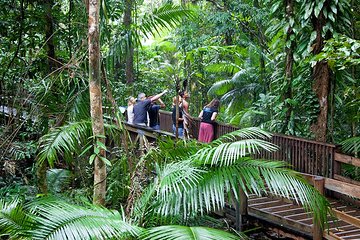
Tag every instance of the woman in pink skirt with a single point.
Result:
(208, 116)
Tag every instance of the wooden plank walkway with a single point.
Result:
(288, 215)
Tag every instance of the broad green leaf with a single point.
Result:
(96, 150)
(85, 150)
(101, 145)
(91, 159)
(105, 160)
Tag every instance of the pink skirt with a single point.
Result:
(206, 132)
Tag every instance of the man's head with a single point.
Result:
(141, 96)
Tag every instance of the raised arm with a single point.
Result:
(156, 97)
(213, 116)
(162, 104)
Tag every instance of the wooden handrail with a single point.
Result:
(339, 157)
(274, 134)
(342, 187)
(347, 218)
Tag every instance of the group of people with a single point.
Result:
(144, 111)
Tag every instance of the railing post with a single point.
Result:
(141, 143)
(241, 209)
(318, 231)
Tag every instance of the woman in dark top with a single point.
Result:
(208, 116)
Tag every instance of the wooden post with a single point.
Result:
(141, 143)
(318, 231)
(241, 209)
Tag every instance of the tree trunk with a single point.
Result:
(96, 100)
(42, 178)
(129, 65)
(49, 32)
(261, 39)
(321, 75)
(289, 9)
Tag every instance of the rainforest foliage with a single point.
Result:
(67, 67)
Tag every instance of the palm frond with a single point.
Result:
(143, 210)
(223, 67)
(14, 222)
(186, 233)
(79, 105)
(167, 16)
(286, 183)
(221, 87)
(58, 179)
(351, 145)
(175, 177)
(226, 154)
(60, 220)
(62, 141)
(68, 140)
(244, 133)
(253, 176)
(168, 149)
(246, 117)
(224, 151)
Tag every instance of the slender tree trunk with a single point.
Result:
(96, 100)
(41, 177)
(261, 40)
(70, 28)
(49, 32)
(321, 75)
(50, 49)
(129, 65)
(289, 9)
(229, 34)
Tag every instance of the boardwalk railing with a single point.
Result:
(313, 159)
(303, 155)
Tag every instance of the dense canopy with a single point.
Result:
(69, 68)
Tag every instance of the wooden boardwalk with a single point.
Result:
(293, 217)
